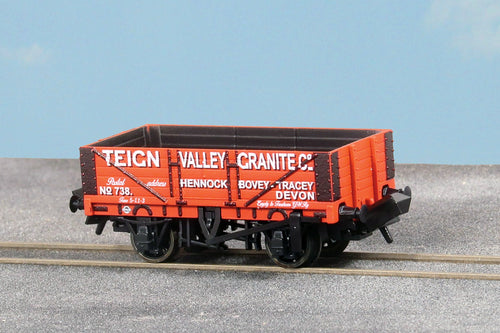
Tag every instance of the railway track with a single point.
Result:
(414, 257)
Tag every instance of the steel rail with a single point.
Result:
(389, 256)
(426, 257)
(65, 246)
(253, 269)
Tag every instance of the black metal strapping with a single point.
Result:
(389, 155)
(322, 177)
(87, 164)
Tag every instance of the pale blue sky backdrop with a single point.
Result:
(72, 72)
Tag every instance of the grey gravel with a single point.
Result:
(454, 210)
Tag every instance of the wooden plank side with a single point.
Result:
(246, 183)
(245, 179)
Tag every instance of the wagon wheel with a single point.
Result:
(155, 243)
(333, 248)
(311, 248)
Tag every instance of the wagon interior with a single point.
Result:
(210, 137)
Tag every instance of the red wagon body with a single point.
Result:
(297, 186)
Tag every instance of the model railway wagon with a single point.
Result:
(198, 187)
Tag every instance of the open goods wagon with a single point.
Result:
(197, 187)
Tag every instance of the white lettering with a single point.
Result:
(132, 158)
(203, 160)
(156, 183)
(253, 184)
(128, 158)
(115, 182)
(272, 161)
(153, 159)
(221, 159)
(302, 161)
(239, 161)
(213, 160)
(141, 164)
(107, 153)
(282, 157)
(204, 183)
(295, 195)
(119, 157)
(105, 190)
(296, 186)
(252, 158)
